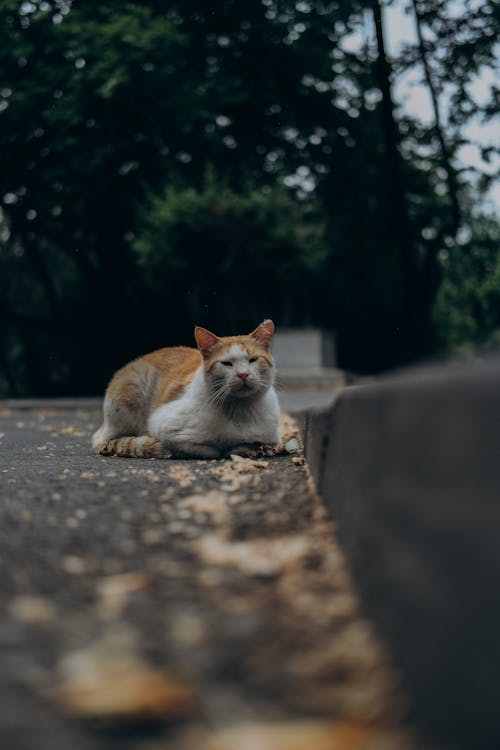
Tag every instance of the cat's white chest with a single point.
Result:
(193, 419)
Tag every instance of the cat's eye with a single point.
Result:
(226, 363)
(252, 359)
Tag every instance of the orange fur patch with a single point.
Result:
(133, 447)
(247, 343)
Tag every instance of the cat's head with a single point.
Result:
(237, 367)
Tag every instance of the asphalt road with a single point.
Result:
(174, 605)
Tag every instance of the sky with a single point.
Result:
(415, 99)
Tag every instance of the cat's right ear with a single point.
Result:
(205, 340)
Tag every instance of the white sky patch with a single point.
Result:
(413, 97)
(399, 27)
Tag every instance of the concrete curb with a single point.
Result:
(410, 470)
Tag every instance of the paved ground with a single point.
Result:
(176, 605)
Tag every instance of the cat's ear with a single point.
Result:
(264, 333)
(204, 339)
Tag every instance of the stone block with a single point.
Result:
(303, 348)
(410, 470)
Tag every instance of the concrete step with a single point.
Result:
(311, 378)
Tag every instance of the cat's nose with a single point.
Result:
(242, 375)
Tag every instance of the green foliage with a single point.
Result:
(467, 310)
(224, 258)
(170, 163)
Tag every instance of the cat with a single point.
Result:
(194, 403)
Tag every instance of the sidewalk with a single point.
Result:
(176, 605)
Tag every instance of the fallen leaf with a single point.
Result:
(70, 430)
(74, 565)
(212, 502)
(230, 474)
(114, 590)
(254, 557)
(181, 475)
(31, 609)
(248, 464)
(297, 735)
(109, 680)
(292, 445)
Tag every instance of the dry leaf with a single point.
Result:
(31, 609)
(70, 430)
(292, 445)
(181, 475)
(212, 502)
(114, 590)
(248, 464)
(109, 680)
(253, 557)
(296, 735)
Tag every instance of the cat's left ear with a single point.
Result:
(264, 333)
(204, 339)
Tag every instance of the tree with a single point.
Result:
(112, 117)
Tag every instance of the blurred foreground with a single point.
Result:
(175, 604)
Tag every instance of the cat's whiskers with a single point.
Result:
(218, 395)
(279, 385)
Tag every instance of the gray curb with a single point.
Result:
(410, 470)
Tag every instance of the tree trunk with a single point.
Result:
(451, 178)
(401, 230)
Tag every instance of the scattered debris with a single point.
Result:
(181, 475)
(70, 430)
(292, 445)
(74, 565)
(253, 557)
(110, 680)
(312, 734)
(34, 610)
(114, 591)
(252, 595)
(248, 464)
(213, 502)
(231, 474)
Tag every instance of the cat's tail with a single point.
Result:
(132, 447)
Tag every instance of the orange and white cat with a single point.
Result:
(194, 403)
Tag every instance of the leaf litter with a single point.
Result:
(263, 589)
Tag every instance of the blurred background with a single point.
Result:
(166, 164)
